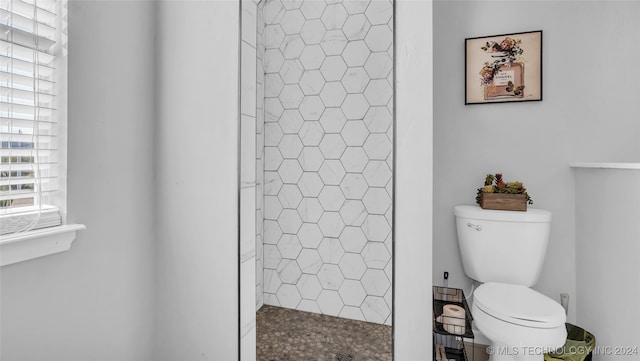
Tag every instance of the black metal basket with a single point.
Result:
(453, 341)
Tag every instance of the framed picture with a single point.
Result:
(503, 68)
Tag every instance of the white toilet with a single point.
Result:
(505, 251)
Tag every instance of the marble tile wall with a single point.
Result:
(327, 143)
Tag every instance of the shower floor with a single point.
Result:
(286, 335)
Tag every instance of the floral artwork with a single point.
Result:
(505, 54)
(504, 68)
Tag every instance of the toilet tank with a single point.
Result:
(503, 246)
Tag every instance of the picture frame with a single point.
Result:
(503, 68)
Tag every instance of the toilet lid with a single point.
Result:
(519, 305)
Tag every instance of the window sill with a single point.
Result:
(33, 244)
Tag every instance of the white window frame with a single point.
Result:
(22, 246)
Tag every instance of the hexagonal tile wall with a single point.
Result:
(333, 42)
(332, 146)
(330, 277)
(310, 236)
(311, 108)
(312, 33)
(379, 12)
(291, 71)
(273, 12)
(272, 208)
(288, 296)
(331, 198)
(291, 96)
(291, 46)
(333, 68)
(332, 120)
(355, 106)
(352, 293)
(355, 80)
(376, 200)
(352, 266)
(332, 172)
(312, 9)
(353, 212)
(354, 159)
(310, 184)
(289, 271)
(377, 173)
(290, 146)
(289, 196)
(311, 82)
(355, 133)
(331, 224)
(289, 246)
(333, 94)
(292, 21)
(291, 121)
(289, 221)
(356, 7)
(330, 302)
(378, 119)
(330, 250)
(273, 35)
(353, 239)
(376, 228)
(325, 156)
(309, 287)
(356, 53)
(356, 27)
(310, 159)
(334, 16)
(311, 133)
(290, 171)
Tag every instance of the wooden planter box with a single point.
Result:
(503, 201)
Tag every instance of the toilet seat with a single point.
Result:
(519, 305)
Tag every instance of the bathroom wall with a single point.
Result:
(196, 250)
(414, 181)
(248, 181)
(259, 141)
(327, 157)
(95, 302)
(589, 113)
(607, 233)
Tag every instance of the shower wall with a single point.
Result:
(250, 201)
(325, 148)
(259, 152)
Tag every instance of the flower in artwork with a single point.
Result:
(504, 54)
(507, 44)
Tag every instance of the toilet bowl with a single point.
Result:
(521, 323)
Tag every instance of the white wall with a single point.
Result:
(589, 113)
(414, 174)
(248, 180)
(197, 176)
(95, 301)
(608, 273)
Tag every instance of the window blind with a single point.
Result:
(30, 114)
